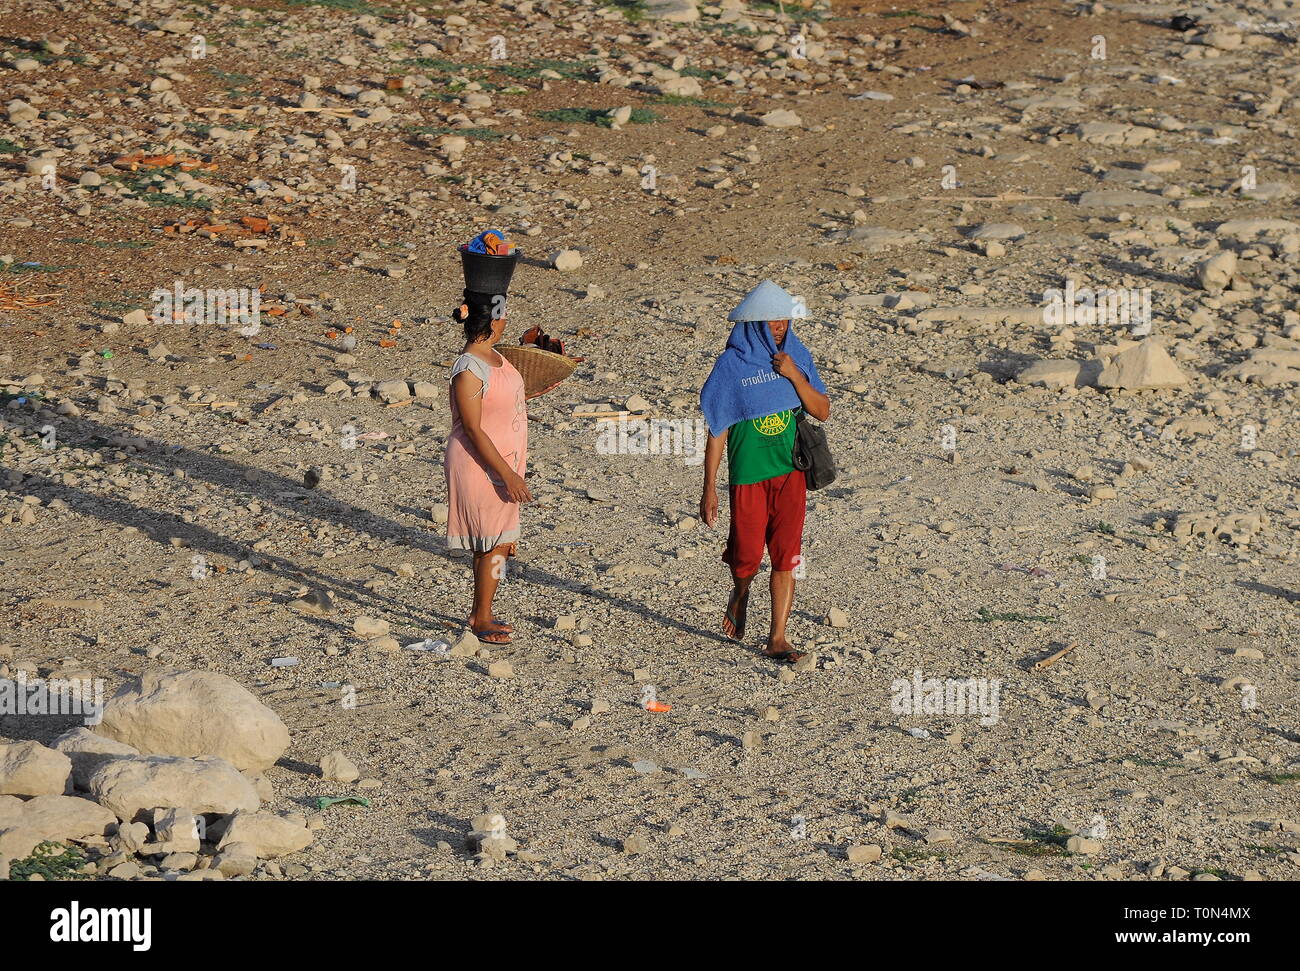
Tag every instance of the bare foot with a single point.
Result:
(490, 631)
(733, 621)
(493, 624)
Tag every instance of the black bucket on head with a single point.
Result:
(488, 274)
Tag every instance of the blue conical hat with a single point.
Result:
(767, 301)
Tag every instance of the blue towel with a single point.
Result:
(476, 244)
(743, 385)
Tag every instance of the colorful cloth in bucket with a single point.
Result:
(490, 242)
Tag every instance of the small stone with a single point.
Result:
(566, 260)
(1083, 845)
(780, 118)
(467, 645)
(338, 767)
(369, 627)
(864, 853)
(129, 870)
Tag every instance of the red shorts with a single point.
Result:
(768, 513)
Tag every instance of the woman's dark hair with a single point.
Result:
(476, 315)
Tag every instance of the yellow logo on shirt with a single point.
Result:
(772, 424)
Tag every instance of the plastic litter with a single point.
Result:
(430, 645)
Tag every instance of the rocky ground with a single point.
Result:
(1012, 484)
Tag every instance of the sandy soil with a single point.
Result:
(1169, 733)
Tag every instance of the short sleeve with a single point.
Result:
(478, 367)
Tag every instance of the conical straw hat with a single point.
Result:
(767, 301)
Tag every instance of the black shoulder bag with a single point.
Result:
(812, 454)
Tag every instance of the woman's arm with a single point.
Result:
(712, 459)
(467, 388)
(814, 402)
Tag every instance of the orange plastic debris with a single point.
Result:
(658, 706)
(11, 299)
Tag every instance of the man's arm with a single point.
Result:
(814, 402)
(712, 459)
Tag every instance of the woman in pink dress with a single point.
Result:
(486, 458)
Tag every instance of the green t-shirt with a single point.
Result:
(760, 449)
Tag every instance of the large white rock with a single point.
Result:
(130, 786)
(1143, 366)
(1268, 366)
(1249, 228)
(268, 834)
(1114, 133)
(685, 87)
(195, 713)
(1216, 273)
(566, 260)
(17, 844)
(21, 111)
(56, 817)
(31, 769)
(88, 751)
(1054, 374)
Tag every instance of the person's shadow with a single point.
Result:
(271, 488)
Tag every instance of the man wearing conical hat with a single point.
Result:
(759, 386)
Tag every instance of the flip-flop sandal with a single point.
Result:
(488, 636)
(737, 629)
(786, 657)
